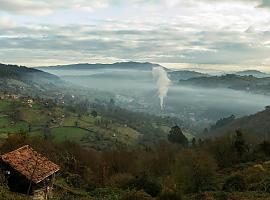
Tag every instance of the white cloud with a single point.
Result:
(165, 31)
(25, 7)
(6, 22)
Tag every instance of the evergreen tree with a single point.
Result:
(176, 136)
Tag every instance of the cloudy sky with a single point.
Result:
(209, 34)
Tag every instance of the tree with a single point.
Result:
(176, 136)
(194, 142)
(151, 187)
(194, 171)
(239, 143)
(16, 116)
(112, 103)
(47, 133)
(265, 147)
(94, 113)
(222, 122)
(234, 183)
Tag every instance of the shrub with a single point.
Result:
(136, 195)
(221, 196)
(3, 181)
(235, 183)
(107, 193)
(194, 171)
(200, 196)
(73, 180)
(120, 180)
(149, 186)
(170, 196)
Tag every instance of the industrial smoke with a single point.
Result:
(163, 82)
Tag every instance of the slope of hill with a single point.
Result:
(232, 81)
(255, 73)
(256, 124)
(23, 80)
(118, 65)
(110, 126)
(24, 73)
(184, 75)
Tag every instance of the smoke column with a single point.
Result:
(163, 82)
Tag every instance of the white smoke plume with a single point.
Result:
(163, 82)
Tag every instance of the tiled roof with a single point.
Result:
(30, 163)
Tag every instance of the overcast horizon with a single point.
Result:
(222, 35)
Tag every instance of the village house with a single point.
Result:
(14, 97)
(29, 172)
(30, 101)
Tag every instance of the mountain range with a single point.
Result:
(254, 73)
(118, 65)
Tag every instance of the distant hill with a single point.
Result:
(255, 73)
(185, 74)
(23, 73)
(232, 81)
(20, 79)
(256, 124)
(118, 65)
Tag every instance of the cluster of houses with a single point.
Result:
(8, 96)
(27, 100)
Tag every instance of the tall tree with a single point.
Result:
(176, 136)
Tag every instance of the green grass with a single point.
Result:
(70, 121)
(126, 134)
(4, 121)
(88, 119)
(38, 116)
(16, 128)
(68, 133)
(5, 105)
(35, 117)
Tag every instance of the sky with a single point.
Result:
(201, 34)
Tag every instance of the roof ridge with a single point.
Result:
(23, 147)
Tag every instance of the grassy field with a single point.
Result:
(4, 121)
(85, 130)
(72, 134)
(5, 105)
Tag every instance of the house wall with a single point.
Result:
(20, 184)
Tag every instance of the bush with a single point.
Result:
(150, 187)
(106, 193)
(120, 180)
(170, 196)
(7, 195)
(221, 196)
(194, 171)
(3, 181)
(200, 196)
(74, 180)
(235, 183)
(136, 195)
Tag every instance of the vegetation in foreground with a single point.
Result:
(229, 167)
(102, 163)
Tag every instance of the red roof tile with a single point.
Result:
(30, 163)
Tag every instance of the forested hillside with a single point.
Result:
(232, 81)
(256, 125)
